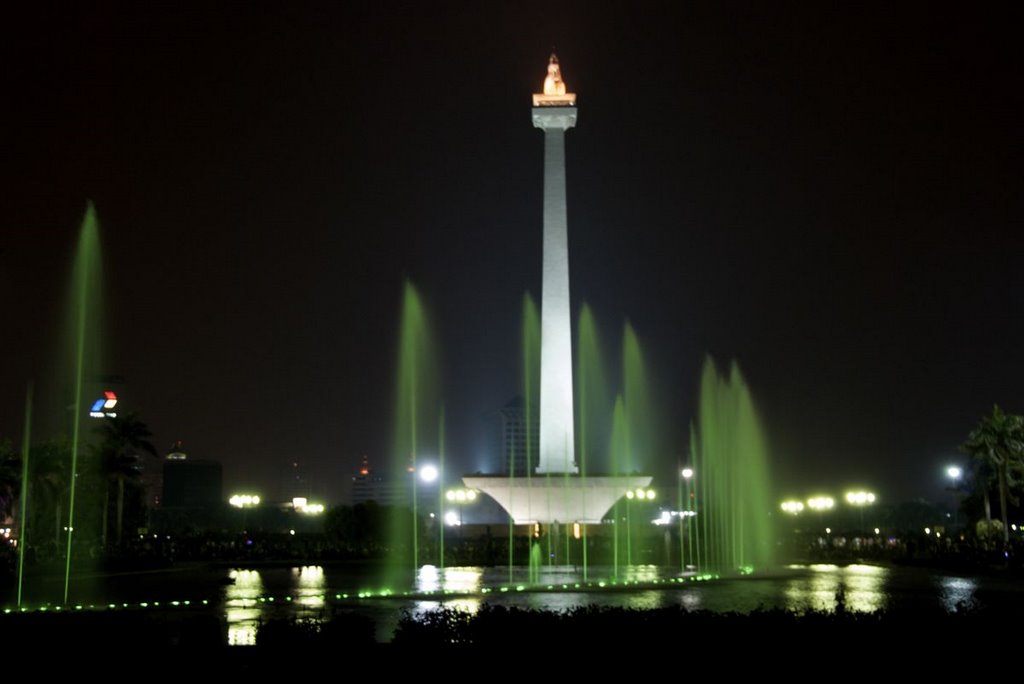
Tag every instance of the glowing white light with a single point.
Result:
(792, 507)
(687, 473)
(821, 503)
(954, 472)
(428, 473)
(451, 518)
(860, 498)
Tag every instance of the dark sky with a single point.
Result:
(832, 196)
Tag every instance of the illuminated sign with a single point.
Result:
(103, 407)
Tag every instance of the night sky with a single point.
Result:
(831, 196)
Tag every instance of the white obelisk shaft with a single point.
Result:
(557, 444)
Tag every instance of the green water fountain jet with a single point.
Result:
(26, 439)
(415, 407)
(618, 452)
(592, 406)
(440, 491)
(85, 326)
(731, 462)
(637, 423)
(530, 347)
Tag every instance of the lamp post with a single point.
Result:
(640, 494)
(691, 512)
(820, 504)
(954, 473)
(860, 500)
(460, 498)
(685, 476)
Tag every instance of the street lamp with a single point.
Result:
(689, 512)
(821, 504)
(685, 476)
(461, 498)
(954, 473)
(428, 473)
(860, 500)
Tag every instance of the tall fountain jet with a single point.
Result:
(554, 112)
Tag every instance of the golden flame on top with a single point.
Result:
(553, 84)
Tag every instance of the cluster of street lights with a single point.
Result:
(244, 500)
(826, 503)
(460, 497)
(457, 496)
(822, 503)
(641, 494)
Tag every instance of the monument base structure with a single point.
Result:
(558, 499)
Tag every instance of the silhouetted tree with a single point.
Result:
(996, 448)
(10, 478)
(123, 438)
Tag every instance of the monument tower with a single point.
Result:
(571, 498)
(554, 112)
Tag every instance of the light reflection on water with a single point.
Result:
(310, 586)
(241, 606)
(244, 610)
(860, 588)
(454, 580)
(958, 592)
(307, 592)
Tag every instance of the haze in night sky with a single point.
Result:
(832, 196)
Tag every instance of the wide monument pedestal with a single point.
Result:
(557, 498)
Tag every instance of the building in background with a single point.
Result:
(369, 485)
(191, 484)
(520, 438)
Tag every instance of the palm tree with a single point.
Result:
(123, 437)
(996, 448)
(48, 487)
(10, 479)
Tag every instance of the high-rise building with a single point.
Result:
(191, 483)
(368, 485)
(520, 437)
